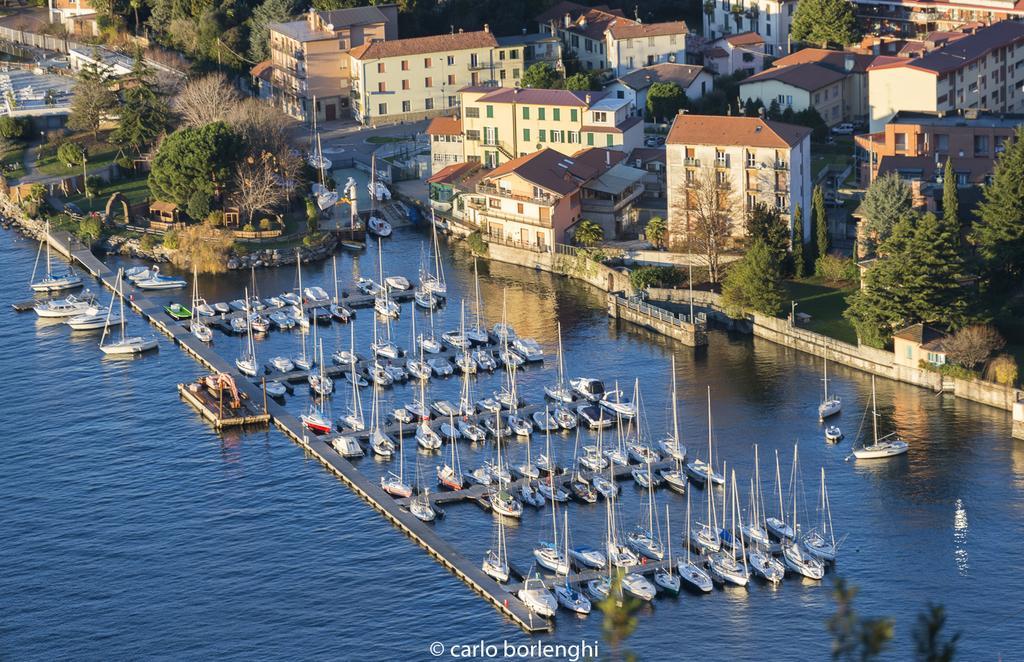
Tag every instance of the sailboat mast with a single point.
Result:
(687, 526)
(476, 281)
(110, 308)
(778, 485)
(874, 411)
(334, 265)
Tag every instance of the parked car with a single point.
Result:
(844, 129)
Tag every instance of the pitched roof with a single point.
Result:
(961, 52)
(836, 60)
(668, 72)
(740, 131)
(548, 169)
(353, 16)
(744, 39)
(919, 333)
(620, 30)
(445, 126)
(621, 127)
(441, 43)
(262, 70)
(647, 155)
(575, 10)
(807, 76)
(453, 173)
(540, 97)
(588, 21)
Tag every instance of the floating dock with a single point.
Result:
(218, 409)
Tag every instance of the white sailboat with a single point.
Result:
(646, 540)
(700, 471)
(724, 566)
(830, 404)
(54, 280)
(383, 304)
(689, 572)
(888, 446)
(560, 391)
(495, 563)
(380, 442)
(550, 555)
(449, 475)
(434, 282)
(777, 526)
(477, 334)
(821, 542)
(501, 500)
(673, 446)
(794, 554)
(664, 577)
(705, 534)
(125, 344)
(246, 363)
(337, 309)
(755, 530)
(199, 329)
(392, 483)
(565, 594)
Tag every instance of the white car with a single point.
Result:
(844, 129)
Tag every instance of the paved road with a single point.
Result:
(349, 135)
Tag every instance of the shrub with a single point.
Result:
(90, 228)
(148, 242)
(14, 128)
(476, 243)
(125, 163)
(645, 277)
(70, 154)
(971, 345)
(171, 239)
(836, 269)
(265, 224)
(248, 227)
(311, 239)
(205, 247)
(1002, 370)
(215, 219)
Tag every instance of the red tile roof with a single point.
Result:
(588, 21)
(680, 74)
(453, 173)
(807, 76)
(745, 39)
(739, 131)
(620, 30)
(445, 126)
(548, 169)
(836, 60)
(622, 127)
(441, 43)
(961, 52)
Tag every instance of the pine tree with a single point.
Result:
(886, 202)
(820, 224)
(270, 11)
(797, 243)
(754, 283)
(998, 231)
(824, 22)
(143, 114)
(950, 200)
(932, 283)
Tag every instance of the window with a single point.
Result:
(768, 27)
(941, 143)
(490, 111)
(751, 160)
(980, 145)
(501, 74)
(751, 200)
(472, 112)
(963, 179)
(428, 104)
(451, 60)
(406, 106)
(405, 84)
(600, 116)
(472, 134)
(494, 203)
(526, 135)
(610, 140)
(817, 98)
(540, 113)
(515, 73)
(513, 54)
(473, 60)
(556, 136)
(542, 135)
(526, 112)
(382, 109)
(556, 114)
(380, 67)
(405, 65)
(501, 55)
(451, 79)
(426, 63)
(721, 158)
(452, 102)
(381, 87)
(909, 351)
(650, 41)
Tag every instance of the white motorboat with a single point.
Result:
(588, 557)
(456, 339)
(441, 367)
(368, 286)
(537, 598)
(881, 447)
(544, 421)
(427, 438)
(347, 446)
(158, 282)
(637, 586)
(204, 309)
(381, 444)
(70, 306)
(618, 404)
(400, 283)
(593, 417)
(376, 225)
(92, 319)
(833, 434)
(529, 349)
(483, 359)
(282, 320)
(593, 460)
(276, 389)
(316, 295)
(291, 298)
(221, 308)
(590, 389)
(566, 417)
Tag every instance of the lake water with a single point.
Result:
(131, 529)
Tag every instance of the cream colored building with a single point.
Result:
(502, 124)
(978, 71)
(799, 86)
(413, 79)
(582, 31)
(445, 135)
(769, 18)
(633, 45)
(77, 16)
(308, 58)
(748, 160)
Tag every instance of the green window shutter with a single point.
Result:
(610, 142)
(490, 112)
(526, 112)
(590, 139)
(573, 114)
(542, 135)
(540, 113)
(556, 114)
(526, 135)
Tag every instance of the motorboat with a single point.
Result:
(418, 410)
(471, 431)
(316, 295)
(508, 357)
(400, 283)
(368, 286)
(496, 427)
(344, 357)
(490, 405)
(427, 438)
(637, 586)
(376, 225)
(503, 333)
(221, 308)
(603, 486)
(483, 359)
(204, 309)
(381, 444)
(276, 389)
(588, 557)
(590, 389)
(135, 273)
(593, 417)
(833, 434)
(158, 282)
(340, 312)
(445, 408)
(347, 446)
(177, 311)
(260, 324)
(239, 325)
(70, 306)
(93, 318)
(565, 417)
(380, 376)
(290, 299)
(618, 404)
(441, 367)
(544, 421)
(238, 305)
(646, 478)
(479, 476)
(592, 459)
(642, 454)
(529, 349)
(537, 598)
(456, 339)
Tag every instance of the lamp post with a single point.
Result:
(85, 177)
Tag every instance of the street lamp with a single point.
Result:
(85, 177)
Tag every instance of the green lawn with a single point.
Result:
(13, 162)
(825, 303)
(100, 154)
(135, 190)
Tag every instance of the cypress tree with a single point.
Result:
(797, 243)
(998, 231)
(933, 275)
(822, 227)
(950, 200)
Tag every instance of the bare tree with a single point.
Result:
(207, 99)
(971, 345)
(257, 185)
(703, 213)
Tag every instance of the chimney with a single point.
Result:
(583, 21)
(607, 158)
(461, 30)
(588, 98)
(487, 28)
(568, 19)
(848, 64)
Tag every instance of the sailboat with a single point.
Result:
(354, 419)
(689, 572)
(550, 555)
(477, 334)
(426, 437)
(394, 484)
(246, 363)
(53, 281)
(434, 282)
(449, 475)
(705, 535)
(777, 525)
(125, 344)
(376, 224)
(316, 420)
(381, 444)
(644, 540)
(618, 555)
(495, 563)
(699, 470)
(319, 382)
(830, 404)
(501, 500)
(337, 309)
(761, 560)
(420, 505)
(754, 529)
(325, 198)
(664, 577)
(821, 542)
(673, 446)
(881, 448)
(724, 566)
(794, 554)
(198, 327)
(565, 594)
(560, 391)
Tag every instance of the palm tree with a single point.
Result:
(588, 233)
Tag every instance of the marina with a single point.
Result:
(459, 560)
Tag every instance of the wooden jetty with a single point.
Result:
(501, 597)
(219, 410)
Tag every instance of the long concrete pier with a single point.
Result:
(423, 534)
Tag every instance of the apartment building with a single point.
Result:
(582, 31)
(854, 66)
(693, 79)
(537, 47)
(913, 18)
(309, 61)
(771, 19)
(799, 87)
(413, 79)
(746, 160)
(917, 145)
(982, 71)
(632, 45)
(735, 53)
(503, 124)
(445, 135)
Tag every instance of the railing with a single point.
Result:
(659, 313)
(780, 165)
(515, 243)
(692, 162)
(490, 189)
(486, 212)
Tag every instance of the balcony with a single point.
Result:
(490, 189)
(692, 163)
(780, 165)
(721, 163)
(486, 212)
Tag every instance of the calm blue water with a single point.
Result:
(131, 529)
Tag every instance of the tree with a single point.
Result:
(71, 154)
(582, 81)
(144, 113)
(1002, 370)
(203, 246)
(14, 128)
(312, 218)
(270, 11)
(853, 637)
(588, 233)
(191, 164)
(205, 100)
(541, 76)
(797, 243)
(886, 202)
(932, 281)
(257, 187)
(706, 208)
(754, 282)
(656, 230)
(973, 344)
(824, 22)
(664, 100)
(92, 102)
(765, 223)
(950, 200)
(820, 222)
(998, 231)
(620, 620)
